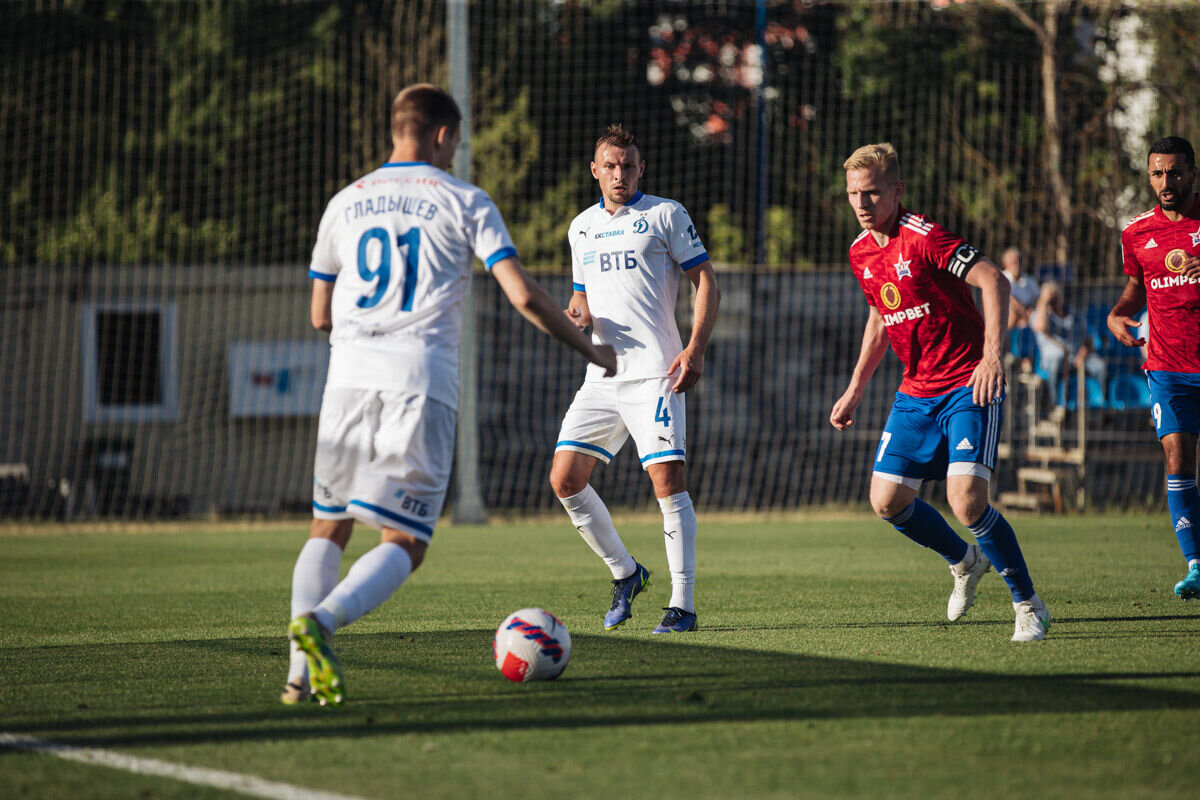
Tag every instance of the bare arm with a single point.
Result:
(536, 305)
(1017, 311)
(987, 381)
(1120, 319)
(690, 362)
(874, 345)
(321, 308)
(1039, 318)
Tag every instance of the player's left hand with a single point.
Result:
(689, 364)
(987, 381)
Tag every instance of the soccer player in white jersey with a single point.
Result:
(390, 268)
(627, 253)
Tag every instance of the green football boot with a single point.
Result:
(324, 671)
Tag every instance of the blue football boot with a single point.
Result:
(676, 620)
(623, 592)
(1189, 587)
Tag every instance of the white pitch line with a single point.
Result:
(201, 776)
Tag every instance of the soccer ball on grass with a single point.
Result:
(531, 645)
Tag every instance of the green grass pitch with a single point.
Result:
(823, 667)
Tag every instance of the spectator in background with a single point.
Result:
(1063, 340)
(1024, 292)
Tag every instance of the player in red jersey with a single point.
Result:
(945, 421)
(1161, 251)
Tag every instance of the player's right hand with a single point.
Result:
(842, 416)
(1191, 266)
(606, 357)
(1119, 327)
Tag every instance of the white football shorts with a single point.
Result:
(605, 413)
(383, 458)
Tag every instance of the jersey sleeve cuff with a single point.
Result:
(499, 255)
(691, 262)
(322, 276)
(579, 287)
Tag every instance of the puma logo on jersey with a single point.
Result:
(965, 444)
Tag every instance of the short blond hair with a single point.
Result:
(873, 156)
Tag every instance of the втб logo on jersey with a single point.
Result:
(1174, 260)
(890, 295)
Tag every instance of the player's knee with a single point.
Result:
(408, 543)
(336, 530)
(565, 483)
(1179, 461)
(668, 478)
(886, 504)
(968, 507)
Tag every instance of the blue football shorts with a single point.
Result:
(932, 437)
(1174, 401)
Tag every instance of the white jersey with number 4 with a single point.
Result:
(397, 243)
(628, 263)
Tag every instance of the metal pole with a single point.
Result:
(468, 508)
(760, 167)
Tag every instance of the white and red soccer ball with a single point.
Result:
(531, 645)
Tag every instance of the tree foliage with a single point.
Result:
(215, 130)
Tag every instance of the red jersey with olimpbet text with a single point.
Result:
(917, 282)
(1154, 249)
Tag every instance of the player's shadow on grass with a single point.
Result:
(223, 690)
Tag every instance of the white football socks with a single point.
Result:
(590, 517)
(679, 535)
(379, 572)
(315, 575)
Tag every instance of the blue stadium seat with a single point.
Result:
(1129, 391)
(1022, 343)
(1093, 390)
(1096, 317)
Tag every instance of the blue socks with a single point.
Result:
(999, 543)
(1184, 502)
(924, 525)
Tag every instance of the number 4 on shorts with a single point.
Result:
(660, 414)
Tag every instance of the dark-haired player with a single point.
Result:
(1160, 249)
(627, 254)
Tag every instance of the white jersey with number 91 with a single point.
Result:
(397, 243)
